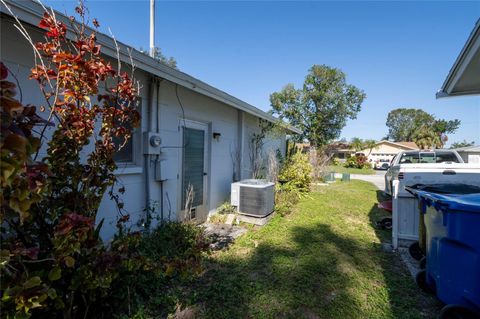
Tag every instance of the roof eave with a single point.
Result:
(472, 43)
(443, 94)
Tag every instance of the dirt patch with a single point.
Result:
(222, 235)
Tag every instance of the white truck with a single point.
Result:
(418, 159)
(419, 167)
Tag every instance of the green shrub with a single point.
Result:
(285, 200)
(351, 162)
(218, 219)
(297, 173)
(295, 178)
(175, 252)
(358, 161)
(220, 216)
(336, 161)
(226, 208)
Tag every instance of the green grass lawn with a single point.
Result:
(324, 260)
(341, 169)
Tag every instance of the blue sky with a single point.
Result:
(399, 53)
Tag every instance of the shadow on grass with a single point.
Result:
(376, 214)
(319, 274)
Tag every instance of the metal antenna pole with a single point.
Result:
(152, 28)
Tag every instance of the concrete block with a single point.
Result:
(260, 221)
(230, 219)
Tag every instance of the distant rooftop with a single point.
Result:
(411, 145)
(473, 148)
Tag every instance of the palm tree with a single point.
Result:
(356, 144)
(370, 145)
(425, 137)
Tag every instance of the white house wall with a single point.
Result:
(473, 157)
(384, 151)
(251, 126)
(17, 54)
(130, 176)
(220, 118)
(272, 143)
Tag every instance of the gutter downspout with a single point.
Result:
(147, 156)
(241, 142)
(157, 157)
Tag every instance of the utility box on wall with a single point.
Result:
(151, 143)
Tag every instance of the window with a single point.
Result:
(428, 157)
(126, 154)
(446, 157)
(409, 158)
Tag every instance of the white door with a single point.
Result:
(194, 165)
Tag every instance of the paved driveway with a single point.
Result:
(378, 178)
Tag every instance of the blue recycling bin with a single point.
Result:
(452, 223)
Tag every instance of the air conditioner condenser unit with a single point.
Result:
(253, 197)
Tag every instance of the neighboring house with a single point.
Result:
(386, 150)
(303, 147)
(340, 150)
(216, 129)
(470, 154)
(336, 150)
(464, 76)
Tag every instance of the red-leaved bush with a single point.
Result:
(358, 161)
(53, 263)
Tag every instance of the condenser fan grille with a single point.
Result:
(256, 201)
